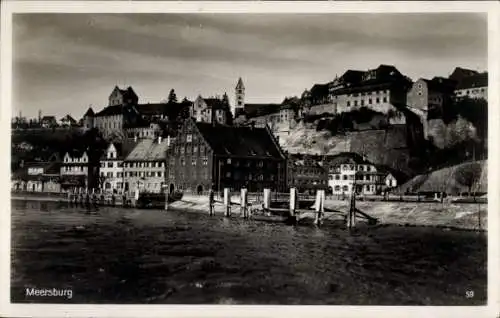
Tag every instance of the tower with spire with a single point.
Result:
(239, 98)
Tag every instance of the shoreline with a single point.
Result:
(452, 216)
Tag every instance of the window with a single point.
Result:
(261, 177)
(337, 188)
(362, 102)
(228, 161)
(348, 103)
(182, 150)
(110, 175)
(330, 177)
(160, 174)
(119, 174)
(345, 188)
(119, 185)
(344, 177)
(385, 99)
(378, 100)
(228, 174)
(355, 103)
(205, 161)
(193, 162)
(337, 177)
(189, 138)
(370, 101)
(183, 162)
(110, 165)
(261, 163)
(195, 149)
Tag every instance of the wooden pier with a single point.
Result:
(293, 214)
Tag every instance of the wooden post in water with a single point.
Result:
(351, 215)
(293, 204)
(267, 199)
(319, 207)
(211, 201)
(227, 202)
(244, 202)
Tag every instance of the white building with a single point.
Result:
(370, 179)
(144, 166)
(111, 172)
(475, 87)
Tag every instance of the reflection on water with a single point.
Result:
(113, 255)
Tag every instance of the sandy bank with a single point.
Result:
(463, 216)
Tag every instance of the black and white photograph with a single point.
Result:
(249, 158)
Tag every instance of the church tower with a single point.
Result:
(240, 98)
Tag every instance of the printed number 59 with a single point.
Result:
(469, 294)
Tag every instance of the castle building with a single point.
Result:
(210, 110)
(206, 156)
(124, 116)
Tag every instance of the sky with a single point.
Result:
(64, 63)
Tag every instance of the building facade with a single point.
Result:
(306, 173)
(37, 177)
(475, 87)
(144, 167)
(206, 156)
(210, 110)
(79, 169)
(111, 172)
(349, 170)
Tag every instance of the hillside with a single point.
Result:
(381, 146)
(452, 180)
(305, 139)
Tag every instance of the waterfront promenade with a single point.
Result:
(465, 216)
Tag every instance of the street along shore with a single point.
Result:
(464, 216)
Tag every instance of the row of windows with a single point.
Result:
(74, 168)
(367, 188)
(369, 93)
(194, 162)
(144, 164)
(370, 101)
(146, 174)
(351, 177)
(192, 149)
(117, 164)
(350, 167)
(76, 160)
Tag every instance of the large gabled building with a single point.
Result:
(206, 156)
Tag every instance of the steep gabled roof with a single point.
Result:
(460, 73)
(110, 111)
(346, 158)
(477, 80)
(89, 113)
(236, 141)
(148, 150)
(50, 118)
(240, 85)
(69, 118)
(215, 103)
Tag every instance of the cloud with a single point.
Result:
(278, 55)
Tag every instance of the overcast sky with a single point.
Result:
(65, 62)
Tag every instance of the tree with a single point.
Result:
(468, 175)
(172, 97)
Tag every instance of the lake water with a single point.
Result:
(124, 256)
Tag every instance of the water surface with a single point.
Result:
(121, 256)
